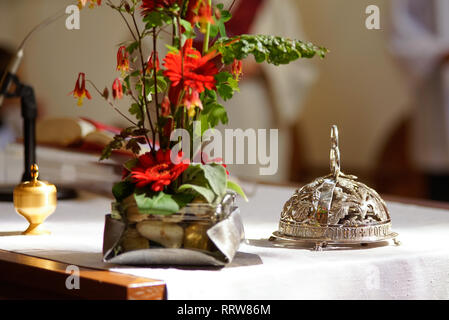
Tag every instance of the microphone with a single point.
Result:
(5, 83)
(13, 66)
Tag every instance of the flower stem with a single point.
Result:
(110, 103)
(144, 83)
(124, 19)
(181, 51)
(155, 83)
(139, 41)
(207, 35)
(232, 5)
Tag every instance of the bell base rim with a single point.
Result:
(277, 236)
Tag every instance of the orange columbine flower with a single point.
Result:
(165, 107)
(204, 15)
(192, 100)
(150, 63)
(117, 89)
(122, 59)
(237, 69)
(82, 3)
(80, 91)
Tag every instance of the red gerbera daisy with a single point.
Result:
(198, 73)
(159, 170)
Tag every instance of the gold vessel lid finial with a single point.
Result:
(34, 172)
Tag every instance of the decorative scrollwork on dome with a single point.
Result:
(353, 204)
(335, 208)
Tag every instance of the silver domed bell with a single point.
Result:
(335, 210)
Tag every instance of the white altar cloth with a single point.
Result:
(418, 269)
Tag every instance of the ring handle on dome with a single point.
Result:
(335, 153)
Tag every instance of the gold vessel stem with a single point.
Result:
(33, 229)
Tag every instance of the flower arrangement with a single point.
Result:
(201, 68)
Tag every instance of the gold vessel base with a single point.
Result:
(320, 244)
(34, 230)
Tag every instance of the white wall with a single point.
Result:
(55, 55)
(360, 87)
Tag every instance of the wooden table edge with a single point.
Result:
(27, 277)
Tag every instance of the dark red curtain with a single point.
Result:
(244, 14)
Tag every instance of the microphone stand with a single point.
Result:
(29, 114)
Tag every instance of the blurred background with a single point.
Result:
(364, 85)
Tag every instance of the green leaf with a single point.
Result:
(161, 84)
(221, 28)
(234, 84)
(235, 187)
(223, 77)
(211, 94)
(218, 114)
(122, 190)
(172, 49)
(192, 172)
(225, 91)
(225, 16)
(133, 145)
(133, 46)
(156, 19)
(136, 111)
(274, 50)
(126, 80)
(216, 176)
(205, 192)
(161, 203)
(195, 180)
(130, 164)
(106, 152)
(115, 144)
(208, 180)
(189, 31)
(226, 85)
(212, 115)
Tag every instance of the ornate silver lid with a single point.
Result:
(336, 210)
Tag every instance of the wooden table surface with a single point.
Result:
(27, 277)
